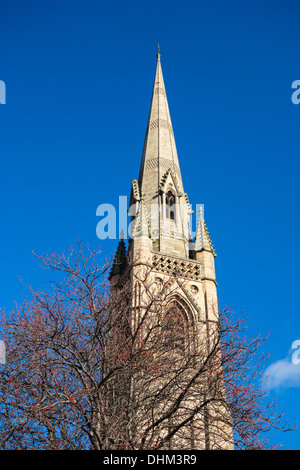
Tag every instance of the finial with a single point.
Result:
(158, 52)
(201, 211)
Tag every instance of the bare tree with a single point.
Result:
(91, 365)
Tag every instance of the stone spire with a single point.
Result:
(141, 224)
(203, 240)
(158, 194)
(159, 152)
(162, 255)
(120, 261)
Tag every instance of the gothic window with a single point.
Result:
(174, 328)
(170, 205)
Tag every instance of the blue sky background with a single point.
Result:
(79, 77)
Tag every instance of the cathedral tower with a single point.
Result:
(161, 235)
(161, 230)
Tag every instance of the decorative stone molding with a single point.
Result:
(176, 267)
(161, 123)
(171, 233)
(135, 190)
(189, 209)
(159, 91)
(163, 163)
(165, 179)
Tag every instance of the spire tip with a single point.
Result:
(158, 52)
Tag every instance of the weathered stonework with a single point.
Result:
(161, 230)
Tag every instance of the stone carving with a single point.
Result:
(161, 123)
(176, 267)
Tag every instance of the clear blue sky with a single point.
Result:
(79, 77)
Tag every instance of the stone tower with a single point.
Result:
(161, 231)
(160, 228)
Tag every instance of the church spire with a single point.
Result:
(159, 152)
(203, 240)
(158, 195)
(120, 261)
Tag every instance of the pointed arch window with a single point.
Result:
(175, 328)
(170, 205)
